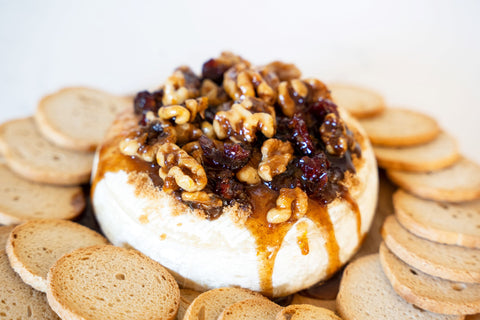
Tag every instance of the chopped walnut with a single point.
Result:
(180, 113)
(276, 155)
(215, 94)
(318, 89)
(202, 198)
(334, 135)
(207, 129)
(240, 121)
(289, 94)
(183, 84)
(284, 71)
(180, 170)
(249, 175)
(145, 144)
(197, 106)
(240, 82)
(290, 201)
(195, 150)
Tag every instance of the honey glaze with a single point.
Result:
(269, 237)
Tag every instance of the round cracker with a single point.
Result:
(427, 292)
(360, 102)
(449, 262)
(397, 127)
(31, 156)
(35, 246)
(457, 183)
(434, 155)
(111, 283)
(448, 223)
(77, 118)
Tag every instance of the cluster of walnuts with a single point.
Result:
(233, 108)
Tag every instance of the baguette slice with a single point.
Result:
(111, 283)
(210, 304)
(31, 156)
(434, 155)
(428, 292)
(77, 118)
(256, 308)
(33, 247)
(448, 223)
(396, 127)
(457, 183)
(17, 299)
(186, 298)
(360, 102)
(440, 260)
(22, 200)
(305, 312)
(365, 294)
(326, 304)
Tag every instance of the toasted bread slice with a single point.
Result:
(434, 155)
(210, 304)
(33, 247)
(305, 312)
(33, 157)
(365, 293)
(359, 101)
(17, 299)
(22, 200)
(440, 260)
(186, 298)
(77, 118)
(4, 234)
(111, 283)
(396, 127)
(427, 292)
(256, 308)
(449, 223)
(457, 183)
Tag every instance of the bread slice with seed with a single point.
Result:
(434, 155)
(360, 102)
(261, 309)
(443, 222)
(22, 200)
(305, 312)
(457, 183)
(33, 247)
(396, 127)
(111, 283)
(428, 292)
(440, 260)
(17, 299)
(365, 293)
(31, 156)
(77, 118)
(210, 304)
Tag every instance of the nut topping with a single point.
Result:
(284, 71)
(276, 155)
(286, 90)
(178, 165)
(290, 201)
(202, 198)
(183, 84)
(180, 113)
(334, 135)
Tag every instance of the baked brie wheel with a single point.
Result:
(244, 176)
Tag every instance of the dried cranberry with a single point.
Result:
(145, 101)
(223, 182)
(321, 108)
(300, 135)
(214, 70)
(227, 155)
(315, 169)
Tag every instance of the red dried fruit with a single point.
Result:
(300, 135)
(226, 155)
(214, 70)
(319, 109)
(315, 170)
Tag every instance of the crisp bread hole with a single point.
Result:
(458, 286)
(454, 216)
(16, 198)
(29, 311)
(443, 205)
(478, 226)
(120, 276)
(56, 158)
(413, 272)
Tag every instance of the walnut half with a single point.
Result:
(179, 169)
(290, 201)
(276, 155)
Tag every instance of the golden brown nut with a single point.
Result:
(284, 71)
(202, 198)
(290, 201)
(180, 113)
(196, 106)
(334, 135)
(215, 94)
(183, 84)
(178, 166)
(276, 155)
(286, 89)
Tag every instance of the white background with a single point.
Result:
(419, 54)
